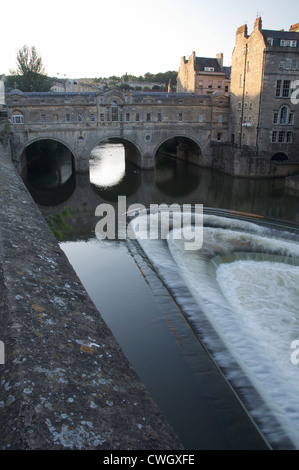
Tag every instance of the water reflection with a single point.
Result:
(49, 174)
(171, 182)
(107, 165)
(175, 177)
(110, 174)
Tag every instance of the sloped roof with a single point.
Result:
(202, 62)
(278, 35)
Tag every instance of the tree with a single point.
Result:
(30, 74)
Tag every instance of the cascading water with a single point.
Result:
(240, 293)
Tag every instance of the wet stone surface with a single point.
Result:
(65, 383)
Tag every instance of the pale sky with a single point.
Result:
(101, 38)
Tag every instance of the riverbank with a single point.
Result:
(66, 383)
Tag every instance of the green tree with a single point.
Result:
(30, 74)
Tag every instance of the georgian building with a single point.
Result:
(264, 115)
(203, 75)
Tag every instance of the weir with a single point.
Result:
(243, 283)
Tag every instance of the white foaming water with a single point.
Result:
(265, 297)
(244, 280)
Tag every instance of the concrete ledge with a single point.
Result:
(65, 383)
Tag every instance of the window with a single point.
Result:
(269, 41)
(274, 136)
(92, 118)
(283, 115)
(220, 119)
(201, 118)
(278, 88)
(283, 88)
(180, 117)
(137, 117)
(127, 117)
(240, 106)
(209, 69)
(159, 117)
(288, 64)
(219, 84)
(210, 85)
(17, 119)
(219, 136)
(114, 111)
(291, 119)
(79, 117)
(200, 83)
(250, 105)
(286, 88)
(43, 119)
(67, 117)
(102, 117)
(148, 117)
(281, 137)
(288, 43)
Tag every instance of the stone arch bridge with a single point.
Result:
(141, 121)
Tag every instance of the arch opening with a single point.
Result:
(112, 168)
(48, 171)
(279, 157)
(177, 162)
(182, 148)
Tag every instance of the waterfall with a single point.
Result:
(240, 293)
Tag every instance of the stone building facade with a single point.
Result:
(264, 116)
(203, 75)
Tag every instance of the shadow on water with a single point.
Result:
(175, 178)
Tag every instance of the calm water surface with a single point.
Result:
(135, 301)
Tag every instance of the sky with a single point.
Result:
(101, 38)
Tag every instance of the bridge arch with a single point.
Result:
(132, 150)
(48, 170)
(182, 147)
(54, 139)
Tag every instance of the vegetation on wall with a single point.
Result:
(58, 223)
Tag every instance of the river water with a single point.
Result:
(209, 331)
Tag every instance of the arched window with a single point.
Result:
(284, 116)
(17, 117)
(114, 111)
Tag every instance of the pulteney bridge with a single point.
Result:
(141, 121)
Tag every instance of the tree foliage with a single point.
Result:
(29, 74)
